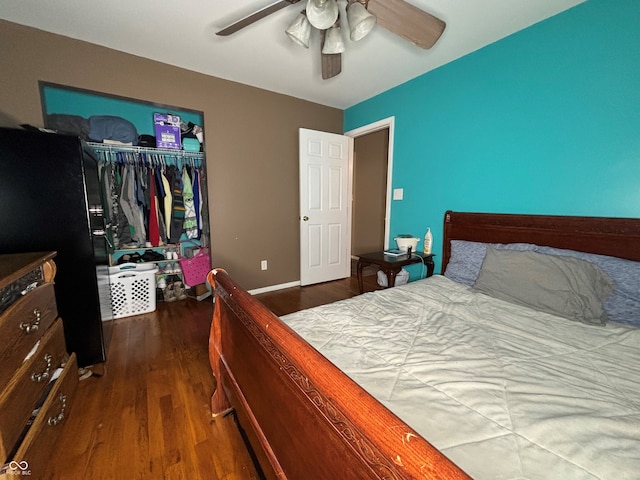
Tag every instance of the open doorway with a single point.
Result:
(373, 162)
(369, 188)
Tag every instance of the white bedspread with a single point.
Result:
(504, 391)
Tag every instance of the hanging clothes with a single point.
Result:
(141, 175)
(154, 229)
(197, 200)
(202, 195)
(190, 225)
(177, 207)
(168, 204)
(129, 206)
(160, 196)
(106, 192)
(144, 195)
(123, 230)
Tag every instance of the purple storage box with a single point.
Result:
(167, 128)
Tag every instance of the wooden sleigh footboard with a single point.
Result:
(303, 417)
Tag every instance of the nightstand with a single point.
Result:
(391, 265)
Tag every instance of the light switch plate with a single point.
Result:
(398, 193)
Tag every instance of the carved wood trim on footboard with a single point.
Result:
(302, 415)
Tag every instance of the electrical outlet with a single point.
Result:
(263, 265)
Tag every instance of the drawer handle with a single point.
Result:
(32, 327)
(53, 421)
(41, 377)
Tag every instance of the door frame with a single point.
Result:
(388, 123)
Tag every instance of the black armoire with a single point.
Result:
(50, 201)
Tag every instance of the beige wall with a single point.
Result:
(251, 139)
(370, 190)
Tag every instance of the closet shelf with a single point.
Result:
(110, 147)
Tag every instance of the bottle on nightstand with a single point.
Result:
(428, 241)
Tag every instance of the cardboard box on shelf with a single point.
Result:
(167, 128)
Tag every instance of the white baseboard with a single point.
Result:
(273, 288)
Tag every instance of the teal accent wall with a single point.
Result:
(86, 104)
(545, 121)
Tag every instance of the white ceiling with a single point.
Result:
(183, 34)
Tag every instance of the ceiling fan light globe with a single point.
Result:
(361, 22)
(333, 41)
(300, 30)
(322, 13)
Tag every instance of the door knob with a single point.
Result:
(305, 218)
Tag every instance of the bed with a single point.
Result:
(370, 407)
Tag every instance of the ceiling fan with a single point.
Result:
(398, 16)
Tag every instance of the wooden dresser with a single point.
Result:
(38, 378)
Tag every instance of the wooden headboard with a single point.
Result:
(618, 237)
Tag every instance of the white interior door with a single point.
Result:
(326, 167)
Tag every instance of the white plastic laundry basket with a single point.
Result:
(402, 277)
(133, 289)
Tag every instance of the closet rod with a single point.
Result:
(158, 151)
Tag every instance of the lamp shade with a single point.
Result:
(333, 41)
(300, 30)
(360, 21)
(322, 13)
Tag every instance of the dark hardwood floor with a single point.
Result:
(148, 416)
(291, 300)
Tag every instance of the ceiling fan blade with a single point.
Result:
(407, 21)
(255, 16)
(331, 62)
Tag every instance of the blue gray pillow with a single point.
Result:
(467, 257)
(622, 306)
(565, 286)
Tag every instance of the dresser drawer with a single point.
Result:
(41, 438)
(24, 390)
(22, 325)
